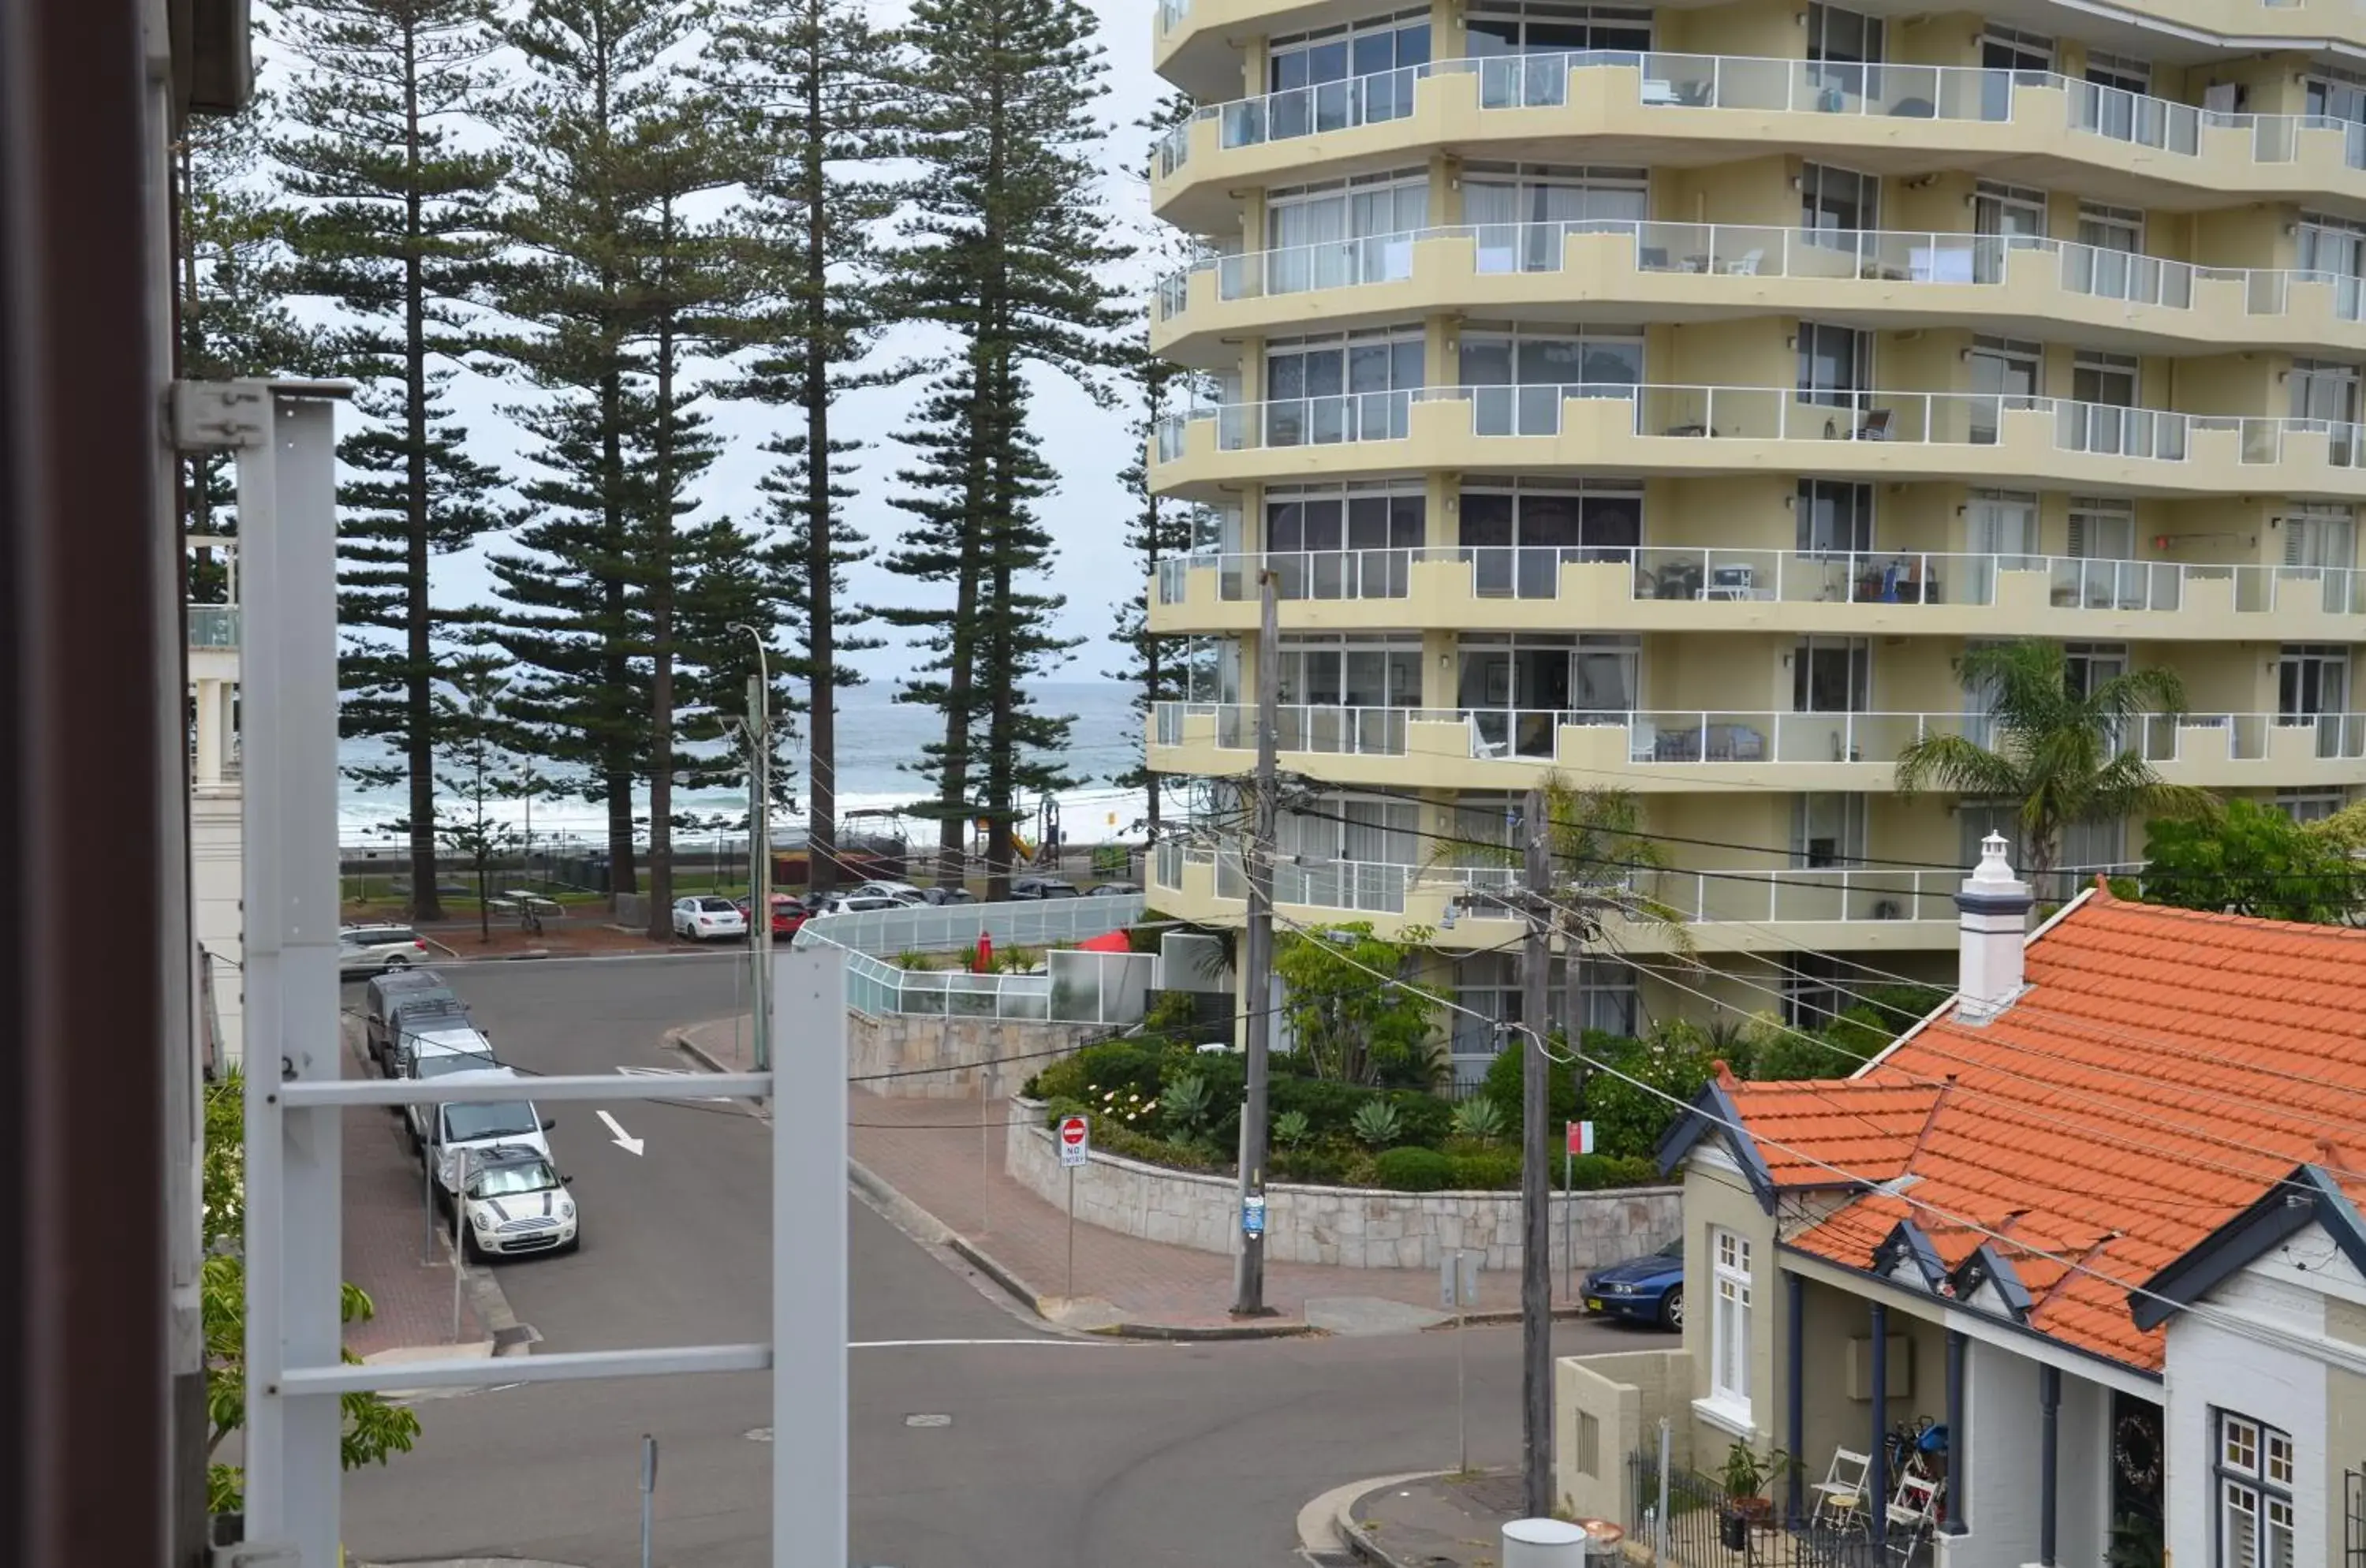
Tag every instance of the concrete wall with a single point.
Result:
(217, 872)
(955, 1058)
(1352, 1227)
(1605, 1409)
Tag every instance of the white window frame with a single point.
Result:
(2255, 1466)
(1732, 1301)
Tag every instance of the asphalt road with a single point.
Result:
(1056, 1453)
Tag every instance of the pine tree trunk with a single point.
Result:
(822, 628)
(615, 672)
(419, 727)
(661, 923)
(1000, 746)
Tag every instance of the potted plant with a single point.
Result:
(1746, 1478)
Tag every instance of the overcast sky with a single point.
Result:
(1084, 445)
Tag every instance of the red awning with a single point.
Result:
(1108, 941)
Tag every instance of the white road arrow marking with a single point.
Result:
(630, 1145)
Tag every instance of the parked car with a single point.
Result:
(788, 913)
(706, 917)
(855, 903)
(1113, 890)
(407, 1014)
(374, 949)
(516, 1203)
(942, 896)
(442, 1048)
(1041, 888)
(1650, 1289)
(901, 892)
(379, 998)
(479, 1127)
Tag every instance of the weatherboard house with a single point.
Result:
(2099, 1216)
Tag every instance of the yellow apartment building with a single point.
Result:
(1667, 396)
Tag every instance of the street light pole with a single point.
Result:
(1257, 975)
(759, 841)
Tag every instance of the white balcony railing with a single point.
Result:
(213, 625)
(1762, 85)
(1760, 251)
(1659, 737)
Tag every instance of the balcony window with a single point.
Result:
(2310, 804)
(1334, 234)
(1520, 688)
(2117, 109)
(1523, 373)
(2113, 265)
(1828, 829)
(2087, 847)
(2325, 392)
(2086, 666)
(1834, 517)
(2333, 246)
(1521, 212)
(1325, 80)
(1838, 200)
(2320, 535)
(1835, 364)
(2108, 378)
(1352, 828)
(1840, 44)
(2009, 49)
(2312, 681)
(1499, 29)
(1376, 672)
(1516, 535)
(1308, 528)
(1832, 674)
(1489, 985)
(1341, 387)
(2102, 528)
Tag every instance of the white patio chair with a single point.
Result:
(1913, 1508)
(1748, 266)
(1840, 1495)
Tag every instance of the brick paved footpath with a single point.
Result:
(385, 1238)
(935, 1153)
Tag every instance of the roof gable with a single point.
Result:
(2307, 1197)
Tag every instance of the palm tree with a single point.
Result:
(2062, 756)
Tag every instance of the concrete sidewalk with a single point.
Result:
(944, 1157)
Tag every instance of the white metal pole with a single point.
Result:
(809, 1465)
(459, 1234)
(287, 494)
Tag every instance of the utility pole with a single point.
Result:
(1257, 977)
(1535, 1230)
(759, 868)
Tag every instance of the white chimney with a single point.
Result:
(1993, 918)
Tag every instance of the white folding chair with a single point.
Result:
(1913, 1509)
(1840, 1495)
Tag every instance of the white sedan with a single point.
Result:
(517, 1203)
(705, 919)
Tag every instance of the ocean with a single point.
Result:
(876, 738)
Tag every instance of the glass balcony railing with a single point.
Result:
(213, 625)
(1762, 85)
(1759, 252)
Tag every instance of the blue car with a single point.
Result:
(1641, 1290)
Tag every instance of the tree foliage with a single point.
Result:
(2058, 756)
(1348, 1024)
(2254, 859)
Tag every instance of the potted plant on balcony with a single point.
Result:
(1746, 1478)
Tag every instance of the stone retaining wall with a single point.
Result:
(953, 1054)
(1352, 1226)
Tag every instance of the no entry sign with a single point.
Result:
(1581, 1137)
(1075, 1141)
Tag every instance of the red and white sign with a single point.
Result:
(1581, 1137)
(1075, 1141)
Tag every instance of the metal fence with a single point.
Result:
(932, 928)
(1696, 1528)
(1075, 988)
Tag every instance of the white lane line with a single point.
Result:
(924, 1344)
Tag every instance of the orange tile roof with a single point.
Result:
(2163, 1071)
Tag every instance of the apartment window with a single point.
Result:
(2010, 48)
(2104, 378)
(1311, 73)
(2320, 535)
(1342, 232)
(2102, 528)
(1521, 686)
(2007, 211)
(1552, 28)
(1814, 989)
(1836, 36)
(1834, 517)
(1489, 983)
(2255, 1472)
(1832, 674)
(2113, 264)
(2324, 389)
(1835, 364)
(2310, 804)
(1518, 532)
(1523, 373)
(2086, 666)
(2086, 847)
(1827, 828)
(1361, 670)
(2311, 679)
(1385, 832)
(2331, 93)
(1521, 210)
(1341, 386)
(2335, 246)
(2103, 385)
(1306, 527)
(1838, 200)
(1730, 1309)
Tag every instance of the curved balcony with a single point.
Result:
(1607, 272)
(1599, 428)
(1722, 910)
(2033, 126)
(1674, 751)
(1195, 43)
(1686, 588)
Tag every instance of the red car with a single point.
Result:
(788, 913)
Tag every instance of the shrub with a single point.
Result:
(1479, 1119)
(1290, 1129)
(1186, 1105)
(1323, 1165)
(1120, 1064)
(1413, 1170)
(1376, 1123)
(1592, 1173)
(1485, 1170)
(1330, 1106)
(1422, 1118)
